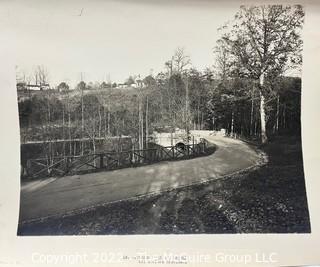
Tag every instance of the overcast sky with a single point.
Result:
(116, 38)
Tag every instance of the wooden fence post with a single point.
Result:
(67, 165)
(101, 161)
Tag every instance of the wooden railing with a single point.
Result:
(69, 165)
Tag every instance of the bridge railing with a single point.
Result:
(69, 165)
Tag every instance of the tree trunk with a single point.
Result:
(277, 115)
(232, 124)
(139, 125)
(142, 128)
(49, 112)
(74, 148)
(147, 126)
(94, 150)
(255, 128)
(69, 131)
(198, 115)
(264, 138)
(201, 127)
(284, 117)
(109, 114)
(251, 116)
(100, 121)
(187, 109)
(82, 121)
(105, 121)
(63, 132)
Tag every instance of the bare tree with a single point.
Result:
(222, 60)
(180, 60)
(41, 75)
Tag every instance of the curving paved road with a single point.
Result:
(60, 195)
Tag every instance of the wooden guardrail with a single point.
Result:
(68, 165)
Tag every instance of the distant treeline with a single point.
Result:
(212, 104)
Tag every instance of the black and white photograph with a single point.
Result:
(159, 117)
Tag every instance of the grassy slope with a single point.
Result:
(271, 199)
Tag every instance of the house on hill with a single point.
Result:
(22, 86)
(121, 85)
(138, 82)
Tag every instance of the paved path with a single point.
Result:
(56, 196)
